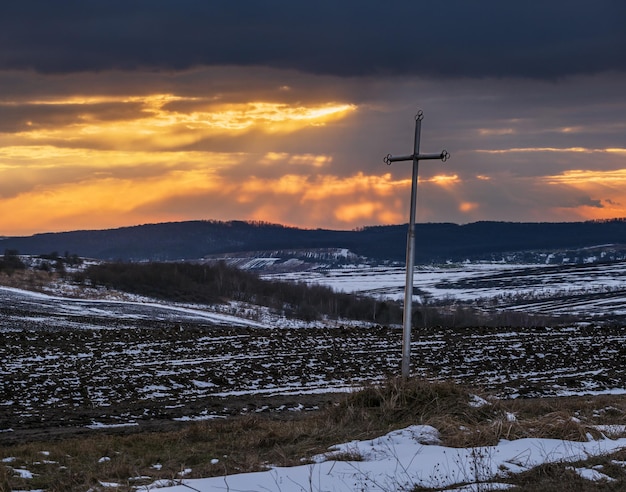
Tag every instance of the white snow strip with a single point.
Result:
(406, 458)
(99, 425)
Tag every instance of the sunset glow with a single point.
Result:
(445, 180)
(468, 206)
(541, 149)
(154, 121)
(119, 113)
(86, 166)
(583, 178)
(98, 161)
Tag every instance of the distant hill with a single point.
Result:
(435, 242)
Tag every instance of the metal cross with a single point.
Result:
(410, 243)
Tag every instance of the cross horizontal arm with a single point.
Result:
(390, 158)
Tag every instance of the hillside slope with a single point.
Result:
(435, 242)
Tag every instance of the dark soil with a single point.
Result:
(68, 372)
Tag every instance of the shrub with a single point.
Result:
(11, 261)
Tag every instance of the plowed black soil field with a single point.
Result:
(67, 371)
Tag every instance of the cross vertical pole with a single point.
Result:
(410, 256)
(410, 242)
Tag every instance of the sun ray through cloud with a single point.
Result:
(284, 124)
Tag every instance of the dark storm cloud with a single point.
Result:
(20, 117)
(444, 38)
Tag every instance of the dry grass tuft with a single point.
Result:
(35, 280)
(412, 400)
(398, 402)
(558, 477)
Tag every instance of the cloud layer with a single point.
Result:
(452, 38)
(118, 113)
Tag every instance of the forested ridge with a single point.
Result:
(435, 241)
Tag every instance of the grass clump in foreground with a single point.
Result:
(253, 442)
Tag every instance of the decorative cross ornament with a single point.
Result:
(410, 243)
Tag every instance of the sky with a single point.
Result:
(121, 113)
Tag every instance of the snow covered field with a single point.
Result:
(131, 360)
(77, 363)
(586, 290)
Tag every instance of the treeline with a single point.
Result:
(50, 262)
(11, 261)
(53, 262)
(187, 282)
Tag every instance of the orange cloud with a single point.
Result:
(328, 185)
(323, 187)
(584, 178)
(100, 202)
(485, 132)
(444, 180)
(94, 166)
(549, 149)
(606, 187)
(282, 158)
(571, 129)
(326, 200)
(353, 211)
(609, 210)
(159, 123)
(106, 200)
(466, 207)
